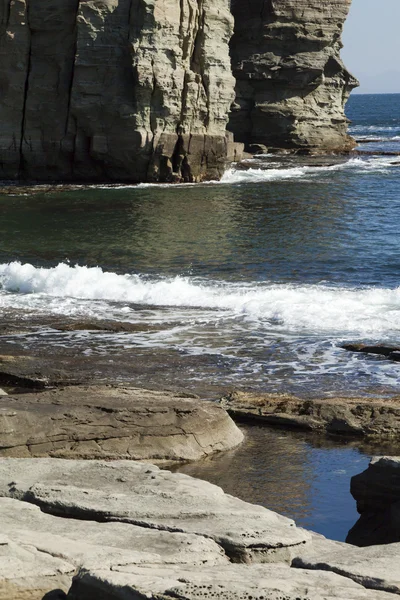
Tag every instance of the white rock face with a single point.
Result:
(375, 568)
(234, 582)
(28, 574)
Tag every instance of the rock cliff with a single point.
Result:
(291, 83)
(115, 89)
(140, 90)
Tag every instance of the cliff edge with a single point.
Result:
(115, 89)
(141, 90)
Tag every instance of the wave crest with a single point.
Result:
(315, 308)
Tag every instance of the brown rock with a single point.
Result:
(343, 416)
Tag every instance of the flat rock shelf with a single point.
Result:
(119, 530)
(113, 422)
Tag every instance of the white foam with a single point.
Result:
(374, 128)
(296, 308)
(235, 176)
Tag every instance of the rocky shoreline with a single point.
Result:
(111, 529)
(86, 530)
(355, 417)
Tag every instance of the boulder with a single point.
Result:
(377, 492)
(113, 422)
(370, 417)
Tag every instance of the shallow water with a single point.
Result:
(291, 473)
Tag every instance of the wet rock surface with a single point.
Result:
(113, 422)
(370, 417)
(116, 530)
(377, 492)
(389, 351)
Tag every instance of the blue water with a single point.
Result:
(375, 117)
(254, 282)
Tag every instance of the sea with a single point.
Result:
(255, 282)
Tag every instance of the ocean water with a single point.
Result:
(267, 273)
(254, 282)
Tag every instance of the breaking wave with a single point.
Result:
(311, 308)
(375, 163)
(381, 129)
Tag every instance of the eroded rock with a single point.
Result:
(113, 422)
(118, 530)
(238, 582)
(28, 574)
(291, 84)
(375, 568)
(128, 492)
(115, 89)
(112, 545)
(371, 417)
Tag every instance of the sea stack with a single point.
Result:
(291, 84)
(142, 90)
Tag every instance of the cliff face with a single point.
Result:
(115, 89)
(291, 83)
(141, 90)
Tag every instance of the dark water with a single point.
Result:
(253, 282)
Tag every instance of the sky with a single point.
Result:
(372, 45)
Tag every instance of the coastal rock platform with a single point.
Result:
(86, 530)
(369, 417)
(113, 422)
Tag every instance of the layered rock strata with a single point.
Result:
(140, 90)
(368, 417)
(119, 530)
(135, 90)
(377, 492)
(291, 84)
(113, 422)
